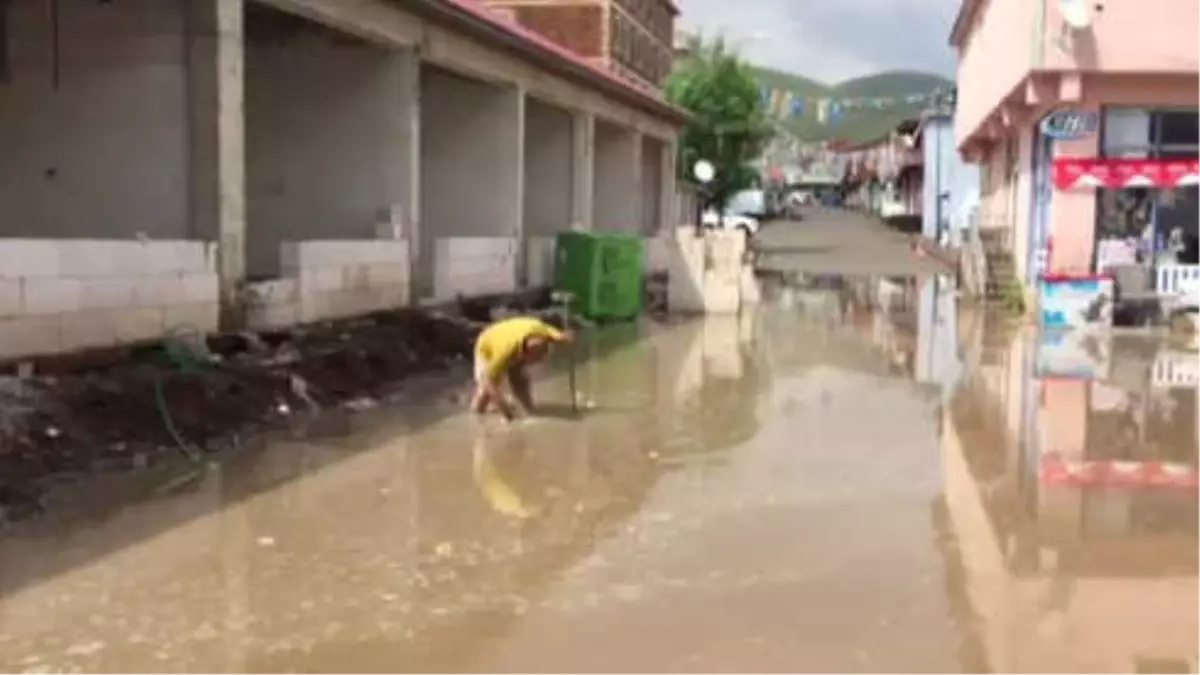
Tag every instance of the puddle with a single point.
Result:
(859, 477)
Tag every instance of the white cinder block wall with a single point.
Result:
(331, 279)
(474, 266)
(64, 295)
(89, 161)
(322, 155)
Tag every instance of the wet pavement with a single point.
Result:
(840, 241)
(859, 477)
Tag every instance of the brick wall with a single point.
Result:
(577, 27)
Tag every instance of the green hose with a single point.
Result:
(179, 354)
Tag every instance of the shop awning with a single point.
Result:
(1057, 470)
(1077, 173)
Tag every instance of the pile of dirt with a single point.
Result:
(164, 400)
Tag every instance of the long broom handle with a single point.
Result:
(566, 300)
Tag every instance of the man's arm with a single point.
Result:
(555, 335)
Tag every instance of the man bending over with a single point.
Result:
(503, 351)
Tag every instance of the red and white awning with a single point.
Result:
(1078, 173)
(1055, 470)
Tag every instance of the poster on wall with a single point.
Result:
(1074, 354)
(1116, 252)
(1076, 302)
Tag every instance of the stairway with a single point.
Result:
(1001, 268)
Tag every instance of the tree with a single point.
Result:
(729, 126)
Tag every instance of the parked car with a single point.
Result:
(744, 211)
(730, 221)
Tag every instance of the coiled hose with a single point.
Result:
(182, 356)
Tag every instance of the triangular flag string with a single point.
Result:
(785, 104)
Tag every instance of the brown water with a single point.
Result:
(815, 487)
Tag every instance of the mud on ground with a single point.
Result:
(60, 429)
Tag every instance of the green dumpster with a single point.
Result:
(602, 270)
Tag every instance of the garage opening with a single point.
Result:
(548, 182)
(327, 162)
(471, 197)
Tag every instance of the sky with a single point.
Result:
(832, 40)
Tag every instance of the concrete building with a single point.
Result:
(950, 186)
(189, 164)
(636, 39)
(1116, 161)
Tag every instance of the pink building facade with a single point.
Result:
(1116, 184)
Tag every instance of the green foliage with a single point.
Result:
(858, 125)
(729, 126)
(1012, 296)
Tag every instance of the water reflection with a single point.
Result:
(413, 543)
(1071, 489)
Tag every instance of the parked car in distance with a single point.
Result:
(744, 211)
(730, 221)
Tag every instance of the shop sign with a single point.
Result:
(1075, 302)
(1073, 354)
(1074, 173)
(1069, 124)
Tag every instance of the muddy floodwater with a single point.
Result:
(858, 477)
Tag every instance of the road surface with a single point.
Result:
(812, 487)
(837, 241)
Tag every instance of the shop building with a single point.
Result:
(951, 186)
(1083, 119)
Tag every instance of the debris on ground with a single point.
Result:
(192, 397)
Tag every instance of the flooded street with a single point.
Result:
(817, 486)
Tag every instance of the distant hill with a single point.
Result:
(862, 124)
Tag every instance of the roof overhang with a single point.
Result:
(477, 21)
(962, 22)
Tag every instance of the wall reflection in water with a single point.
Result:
(412, 543)
(1070, 465)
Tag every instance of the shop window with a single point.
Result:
(1123, 218)
(1126, 133)
(1178, 133)
(1177, 215)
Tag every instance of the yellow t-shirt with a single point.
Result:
(500, 343)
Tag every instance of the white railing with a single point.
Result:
(1175, 280)
(1175, 369)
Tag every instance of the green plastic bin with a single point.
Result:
(603, 270)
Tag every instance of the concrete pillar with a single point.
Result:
(583, 169)
(669, 210)
(514, 208)
(403, 177)
(216, 128)
(637, 201)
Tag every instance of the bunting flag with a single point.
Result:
(822, 110)
(782, 103)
